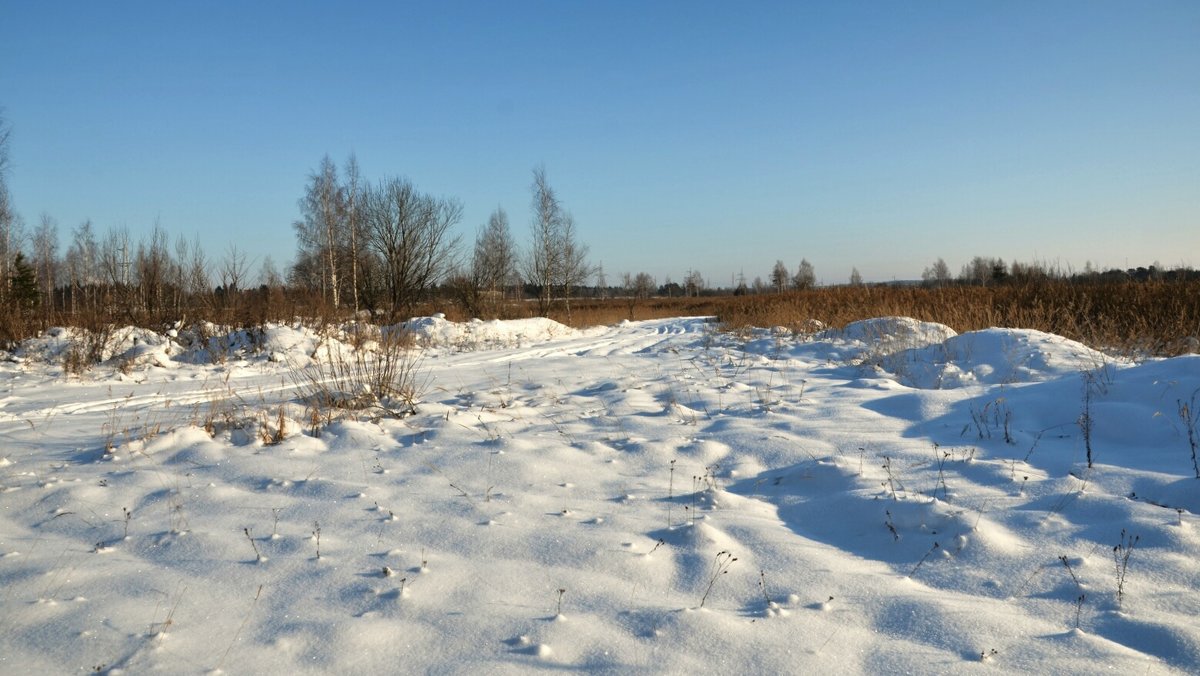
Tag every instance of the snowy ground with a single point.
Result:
(651, 497)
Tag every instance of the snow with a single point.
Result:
(643, 498)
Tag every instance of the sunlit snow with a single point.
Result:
(650, 497)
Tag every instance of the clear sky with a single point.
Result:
(718, 136)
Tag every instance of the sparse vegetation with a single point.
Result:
(1121, 553)
(720, 566)
(1187, 415)
(890, 481)
(993, 417)
(258, 557)
(387, 381)
(1085, 421)
(1071, 571)
(924, 558)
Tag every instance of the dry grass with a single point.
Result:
(388, 380)
(1146, 318)
(1137, 318)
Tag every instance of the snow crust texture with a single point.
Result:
(652, 497)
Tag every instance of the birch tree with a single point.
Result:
(494, 264)
(779, 276)
(556, 261)
(9, 224)
(318, 232)
(83, 266)
(45, 262)
(806, 277)
(353, 221)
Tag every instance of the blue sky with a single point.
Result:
(709, 135)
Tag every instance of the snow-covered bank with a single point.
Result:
(651, 497)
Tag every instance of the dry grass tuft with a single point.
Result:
(388, 380)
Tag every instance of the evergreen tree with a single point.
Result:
(24, 284)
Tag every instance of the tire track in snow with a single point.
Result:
(630, 338)
(627, 338)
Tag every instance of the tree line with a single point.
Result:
(381, 247)
(386, 247)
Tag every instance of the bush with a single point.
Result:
(385, 378)
(85, 350)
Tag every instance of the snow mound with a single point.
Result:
(888, 335)
(437, 331)
(996, 357)
(927, 355)
(47, 348)
(294, 343)
(289, 344)
(868, 342)
(129, 345)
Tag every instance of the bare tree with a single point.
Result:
(45, 262)
(10, 226)
(636, 287)
(556, 261)
(937, 274)
(83, 268)
(481, 286)
(115, 267)
(178, 276)
(307, 272)
(983, 270)
(574, 270)
(805, 277)
(268, 275)
(855, 278)
(542, 259)
(199, 282)
(411, 234)
(779, 277)
(494, 264)
(234, 269)
(153, 267)
(601, 281)
(693, 283)
(353, 221)
(114, 257)
(5, 132)
(323, 210)
(644, 285)
(10, 242)
(234, 274)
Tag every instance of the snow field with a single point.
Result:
(886, 498)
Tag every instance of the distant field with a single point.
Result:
(1149, 318)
